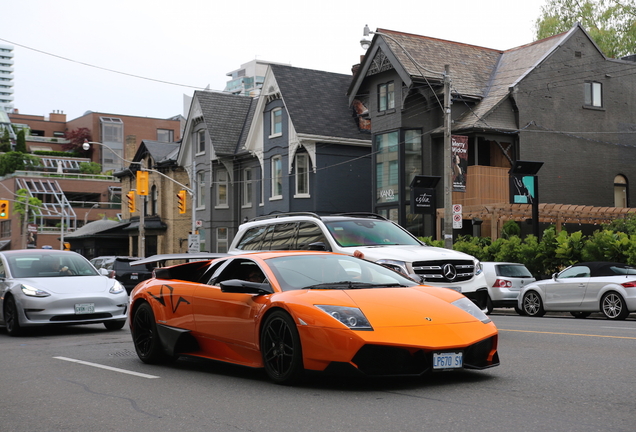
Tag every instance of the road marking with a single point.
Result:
(107, 367)
(569, 334)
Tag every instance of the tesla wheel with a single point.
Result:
(145, 336)
(280, 348)
(532, 304)
(11, 317)
(613, 306)
(115, 325)
(580, 314)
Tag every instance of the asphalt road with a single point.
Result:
(557, 373)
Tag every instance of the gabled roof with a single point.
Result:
(476, 72)
(225, 117)
(316, 101)
(159, 151)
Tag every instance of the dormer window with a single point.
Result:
(386, 96)
(277, 122)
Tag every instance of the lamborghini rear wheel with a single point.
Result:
(280, 348)
(145, 336)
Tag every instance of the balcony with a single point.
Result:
(484, 185)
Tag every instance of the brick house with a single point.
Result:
(165, 229)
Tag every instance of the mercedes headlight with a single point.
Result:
(478, 268)
(468, 306)
(349, 316)
(398, 266)
(33, 292)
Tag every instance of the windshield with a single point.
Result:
(327, 271)
(353, 233)
(43, 264)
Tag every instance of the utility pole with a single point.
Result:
(448, 173)
(142, 222)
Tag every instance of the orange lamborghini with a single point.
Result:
(288, 312)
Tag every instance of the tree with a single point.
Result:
(5, 141)
(20, 142)
(13, 161)
(76, 138)
(21, 199)
(610, 23)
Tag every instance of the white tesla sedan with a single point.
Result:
(582, 289)
(50, 287)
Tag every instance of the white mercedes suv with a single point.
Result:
(375, 237)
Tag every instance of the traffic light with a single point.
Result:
(131, 201)
(4, 209)
(181, 201)
(142, 182)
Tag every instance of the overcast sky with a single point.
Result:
(162, 50)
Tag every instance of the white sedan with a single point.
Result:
(582, 289)
(49, 287)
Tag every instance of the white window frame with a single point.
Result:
(221, 240)
(200, 142)
(277, 176)
(276, 119)
(201, 189)
(221, 183)
(248, 188)
(594, 94)
(301, 166)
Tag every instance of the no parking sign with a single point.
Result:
(457, 216)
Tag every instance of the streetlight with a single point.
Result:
(89, 210)
(448, 174)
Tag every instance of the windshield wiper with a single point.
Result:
(330, 285)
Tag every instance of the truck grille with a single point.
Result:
(445, 271)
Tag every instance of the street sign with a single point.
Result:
(457, 221)
(193, 243)
(457, 208)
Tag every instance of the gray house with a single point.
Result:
(559, 101)
(297, 147)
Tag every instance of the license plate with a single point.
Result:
(84, 308)
(458, 289)
(448, 360)
(134, 276)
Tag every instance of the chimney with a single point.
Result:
(57, 116)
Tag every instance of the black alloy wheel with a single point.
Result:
(613, 306)
(145, 336)
(280, 348)
(11, 318)
(532, 304)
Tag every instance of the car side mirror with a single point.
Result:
(417, 278)
(104, 272)
(554, 276)
(239, 286)
(318, 246)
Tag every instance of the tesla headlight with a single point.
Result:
(398, 266)
(468, 306)
(349, 316)
(33, 292)
(117, 288)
